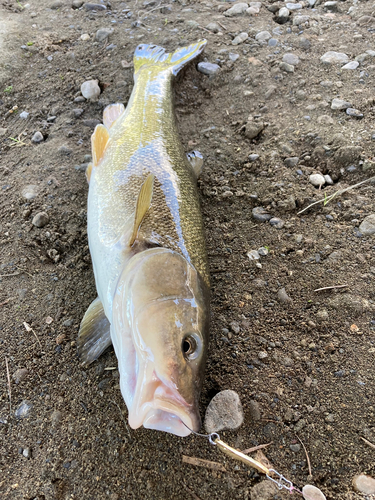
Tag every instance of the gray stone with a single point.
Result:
(328, 179)
(276, 222)
(265, 490)
(40, 220)
(263, 36)
(304, 43)
(332, 57)
(64, 150)
(288, 68)
(253, 11)
(240, 38)
(351, 65)
(236, 10)
(24, 115)
(254, 410)
(355, 113)
(23, 409)
(260, 214)
(282, 16)
(293, 6)
(350, 303)
(312, 493)
(291, 59)
(77, 112)
(26, 452)
(90, 90)
(331, 6)
(340, 104)
(297, 21)
(367, 227)
(364, 484)
(253, 157)
(56, 417)
(103, 33)
(317, 180)
(292, 161)
(362, 57)
(283, 296)
(95, 6)
(263, 251)
(37, 137)
(77, 4)
(322, 315)
(347, 155)
(253, 255)
(20, 375)
(214, 27)
(224, 412)
(208, 68)
(253, 129)
(57, 5)
(233, 56)
(272, 42)
(295, 447)
(29, 192)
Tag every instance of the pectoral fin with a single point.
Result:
(99, 143)
(94, 333)
(143, 204)
(88, 172)
(112, 113)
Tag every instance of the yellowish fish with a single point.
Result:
(148, 251)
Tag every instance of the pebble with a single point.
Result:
(310, 492)
(252, 11)
(304, 43)
(292, 161)
(26, 452)
(214, 27)
(233, 56)
(40, 220)
(254, 410)
(77, 112)
(282, 16)
(64, 150)
(277, 223)
(84, 37)
(295, 447)
(364, 484)
(333, 57)
(103, 33)
(317, 180)
(29, 192)
(95, 6)
(24, 115)
(367, 227)
(354, 112)
(253, 255)
(265, 490)
(37, 137)
(283, 296)
(253, 157)
(340, 104)
(57, 5)
(56, 417)
(240, 38)
(236, 10)
(23, 409)
(224, 412)
(288, 68)
(263, 36)
(90, 90)
(351, 65)
(331, 6)
(208, 68)
(262, 355)
(253, 129)
(3, 131)
(263, 251)
(260, 214)
(20, 375)
(291, 59)
(297, 21)
(77, 4)
(293, 6)
(328, 179)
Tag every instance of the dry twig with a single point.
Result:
(255, 448)
(200, 462)
(330, 287)
(337, 193)
(307, 457)
(7, 275)
(29, 329)
(9, 388)
(368, 442)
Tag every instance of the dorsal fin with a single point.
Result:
(143, 204)
(99, 142)
(112, 113)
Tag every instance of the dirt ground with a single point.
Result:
(302, 360)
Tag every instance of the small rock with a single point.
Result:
(263, 36)
(292, 161)
(263, 251)
(23, 409)
(253, 255)
(288, 68)
(3, 131)
(64, 151)
(95, 6)
(310, 492)
(364, 484)
(214, 27)
(208, 68)
(56, 417)
(340, 104)
(328, 179)
(330, 418)
(24, 115)
(297, 21)
(254, 410)
(304, 43)
(295, 447)
(322, 315)
(317, 180)
(20, 375)
(26, 452)
(236, 10)
(351, 65)
(282, 16)
(265, 490)
(253, 157)
(333, 57)
(331, 6)
(262, 355)
(29, 192)
(84, 37)
(90, 90)
(224, 412)
(277, 223)
(260, 214)
(77, 4)
(240, 38)
(91, 122)
(37, 137)
(56, 5)
(367, 226)
(252, 11)
(354, 112)
(253, 129)
(283, 296)
(293, 6)
(77, 112)
(40, 220)
(291, 59)
(347, 155)
(361, 58)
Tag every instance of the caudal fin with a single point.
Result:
(154, 55)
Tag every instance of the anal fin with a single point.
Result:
(112, 113)
(94, 333)
(143, 204)
(99, 143)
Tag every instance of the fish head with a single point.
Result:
(167, 308)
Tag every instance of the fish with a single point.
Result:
(147, 245)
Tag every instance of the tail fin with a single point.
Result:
(154, 55)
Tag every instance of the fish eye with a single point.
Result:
(191, 346)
